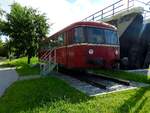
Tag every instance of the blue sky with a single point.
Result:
(71, 1)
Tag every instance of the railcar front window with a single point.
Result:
(102, 36)
(95, 35)
(111, 37)
(79, 35)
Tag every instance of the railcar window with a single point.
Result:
(61, 40)
(53, 44)
(95, 35)
(79, 35)
(44, 46)
(111, 37)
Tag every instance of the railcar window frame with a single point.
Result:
(97, 39)
(76, 39)
(53, 43)
(44, 46)
(104, 34)
(61, 40)
(110, 38)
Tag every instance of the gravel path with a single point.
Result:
(7, 77)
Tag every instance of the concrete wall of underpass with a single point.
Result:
(129, 28)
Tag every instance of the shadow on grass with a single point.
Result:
(34, 94)
(25, 69)
(135, 103)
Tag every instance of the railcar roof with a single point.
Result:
(83, 23)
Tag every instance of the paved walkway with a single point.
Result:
(7, 77)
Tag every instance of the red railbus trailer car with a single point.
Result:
(83, 45)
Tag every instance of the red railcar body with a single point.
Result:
(83, 45)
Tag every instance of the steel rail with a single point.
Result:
(97, 80)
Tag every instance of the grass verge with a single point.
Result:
(50, 95)
(124, 75)
(22, 67)
(31, 95)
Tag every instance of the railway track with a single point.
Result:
(102, 81)
(109, 77)
(90, 80)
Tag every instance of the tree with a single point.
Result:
(1, 12)
(3, 49)
(25, 26)
(1, 43)
(1, 21)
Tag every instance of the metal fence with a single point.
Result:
(118, 7)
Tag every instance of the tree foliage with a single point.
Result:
(1, 21)
(3, 49)
(25, 27)
(1, 43)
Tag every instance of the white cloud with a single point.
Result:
(62, 12)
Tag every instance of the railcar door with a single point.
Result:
(69, 49)
(61, 50)
(75, 48)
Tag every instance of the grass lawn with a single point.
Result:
(22, 67)
(50, 95)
